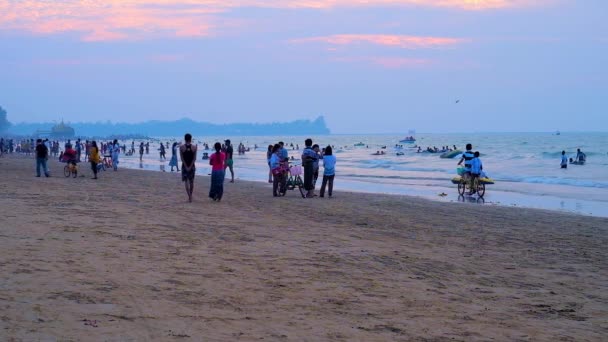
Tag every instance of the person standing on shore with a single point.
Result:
(309, 156)
(315, 174)
(188, 155)
(94, 158)
(564, 163)
(173, 162)
(229, 161)
(115, 149)
(329, 171)
(42, 155)
(269, 154)
(141, 151)
(277, 171)
(162, 152)
(218, 172)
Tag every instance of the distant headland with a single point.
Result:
(179, 127)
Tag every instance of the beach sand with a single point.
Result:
(126, 258)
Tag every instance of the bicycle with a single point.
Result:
(70, 169)
(475, 185)
(294, 180)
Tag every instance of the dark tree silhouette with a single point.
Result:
(4, 124)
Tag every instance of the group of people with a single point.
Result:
(278, 168)
(580, 159)
(220, 160)
(473, 167)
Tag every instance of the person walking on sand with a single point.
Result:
(162, 152)
(94, 158)
(564, 163)
(188, 155)
(229, 161)
(42, 156)
(173, 162)
(309, 156)
(329, 171)
(217, 161)
(115, 149)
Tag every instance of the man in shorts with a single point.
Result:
(188, 154)
(229, 163)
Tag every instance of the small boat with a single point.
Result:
(359, 144)
(408, 140)
(450, 154)
(484, 180)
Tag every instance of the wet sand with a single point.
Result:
(126, 258)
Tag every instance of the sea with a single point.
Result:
(525, 166)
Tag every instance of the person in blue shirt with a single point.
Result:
(564, 163)
(329, 171)
(283, 152)
(277, 172)
(476, 168)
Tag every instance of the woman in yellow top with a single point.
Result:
(94, 158)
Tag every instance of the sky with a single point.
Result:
(384, 66)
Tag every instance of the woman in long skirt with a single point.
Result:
(173, 162)
(217, 162)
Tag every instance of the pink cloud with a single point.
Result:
(140, 19)
(400, 41)
(387, 62)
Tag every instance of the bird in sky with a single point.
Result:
(457, 101)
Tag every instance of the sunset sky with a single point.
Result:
(367, 66)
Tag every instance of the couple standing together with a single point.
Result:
(218, 162)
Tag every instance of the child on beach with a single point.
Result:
(476, 169)
(564, 163)
(329, 171)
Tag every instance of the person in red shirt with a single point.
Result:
(218, 166)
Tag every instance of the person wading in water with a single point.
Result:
(188, 155)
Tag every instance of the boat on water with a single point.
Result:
(450, 154)
(408, 140)
(359, 144)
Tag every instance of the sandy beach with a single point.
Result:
(126, 258)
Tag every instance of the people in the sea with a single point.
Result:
(580, 156)
(94, 158)
(217, 161)
(188, 156)
(564, 162)
(173, 161)
(42, 156)
(229, 161)
(329, 172)
(309, 156)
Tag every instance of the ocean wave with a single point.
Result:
(558, 154)
(554, 181)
